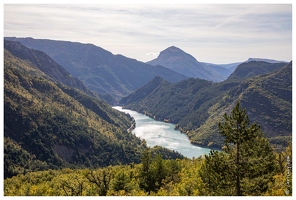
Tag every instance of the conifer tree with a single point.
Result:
(146, 173)
(216, 175)
(121, 181)
(159, 171)
(248, 155)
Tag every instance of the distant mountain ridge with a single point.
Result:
(265, 60)
(254, 68)
(147, 89)
(111, 76)
(231, 66)
(176, 59)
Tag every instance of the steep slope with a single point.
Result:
(185, 103)
(48, 125)
(183, 63)
(198, 105)
(111, 76)
(268, 101)
(45, 64)
(144, 91)
(254, 68)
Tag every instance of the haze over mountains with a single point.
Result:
(182, 62)
(177, 60)
(113, 77)
(110, 76)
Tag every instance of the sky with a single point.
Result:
(213, 33)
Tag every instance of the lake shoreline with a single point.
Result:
(157, 132)
(177, 129)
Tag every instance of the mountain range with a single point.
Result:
(196, 106)
(55, 115)
(115, 76)
(51, 120)
(110, 76)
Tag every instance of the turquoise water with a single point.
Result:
(163, 134)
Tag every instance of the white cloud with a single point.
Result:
(152, 54)
(212, 33)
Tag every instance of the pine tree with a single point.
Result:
(159, 171)
(249, 156)
(121, 181)
(216, 175)
(146, 173)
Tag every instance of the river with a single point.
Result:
(163, 134)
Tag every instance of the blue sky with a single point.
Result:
(215, 33)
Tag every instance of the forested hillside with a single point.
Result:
(49, 125)
(110, 76)
(196, 105)
(179, 178)
(50, 128)
(45, 64)
(268, 99)
(212, 175)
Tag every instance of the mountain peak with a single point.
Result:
(172, 51)
(173, 48)
(171, 55)
(178, 60)
(265, 60)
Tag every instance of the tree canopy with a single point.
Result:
(248, 163)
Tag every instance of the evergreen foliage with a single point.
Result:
(248, 164)
(61, 140)
(209, 176)
(253, 163)
(216, 174)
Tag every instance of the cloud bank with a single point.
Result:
(212, 33)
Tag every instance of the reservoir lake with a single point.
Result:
(163, 134)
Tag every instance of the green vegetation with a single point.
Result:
(197, 105)
(48, 125)
(248, 166)
(113, 180)
(60, 140)
(153, 176)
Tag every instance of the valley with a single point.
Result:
(51, 125)
(58, 115)
(110, 76)
(163, 134)
(195, 105)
